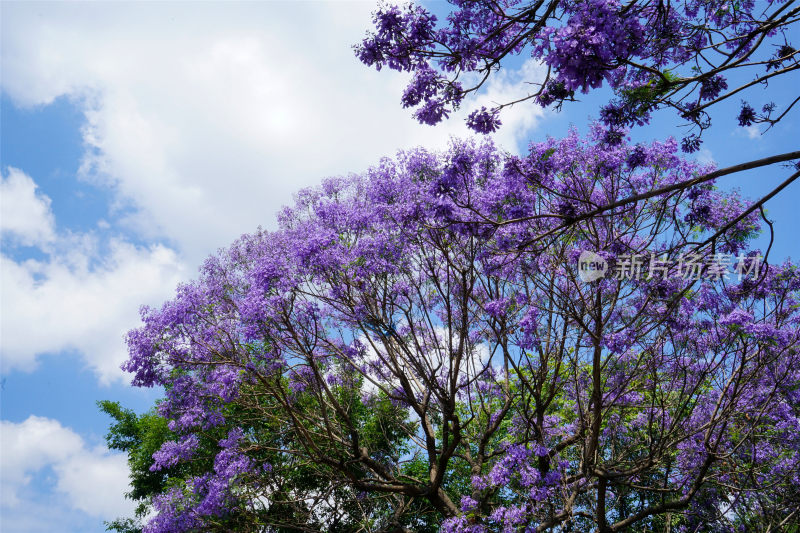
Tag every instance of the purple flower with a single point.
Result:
(468, 504)
(711, 87)
(691, 143)
(746, 115)
(484, 121)
(737, 317)
(432, 112)
(172, 453)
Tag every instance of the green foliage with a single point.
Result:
(140, 436)
(383, 430)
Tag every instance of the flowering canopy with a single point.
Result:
(416, 341)
(653, 54)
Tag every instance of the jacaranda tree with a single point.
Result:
(422, 348)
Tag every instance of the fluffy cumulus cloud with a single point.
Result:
(79, 479)
(26, 216)
(85, 300)
(82, 293)
(207, 118)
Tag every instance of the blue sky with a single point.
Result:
(136, 139)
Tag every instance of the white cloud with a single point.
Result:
(705, 157)
(91, 480)
(25, 214)
(753, 132)
(80, 300)
(96, 482)
(207, 118)
(30, 446)
(522, 118)
(83, 294)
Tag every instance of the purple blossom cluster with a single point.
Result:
(203, 497)
(647, 52)
(596, 39)
(172, 453)
(484, 121)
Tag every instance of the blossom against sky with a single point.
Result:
(138, 138)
